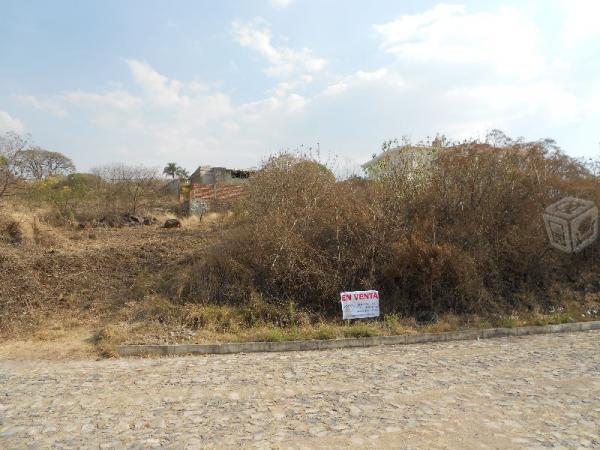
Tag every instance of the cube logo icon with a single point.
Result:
(571, 224)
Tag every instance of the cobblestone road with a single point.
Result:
(537, 391)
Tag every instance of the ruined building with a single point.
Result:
(213, 187)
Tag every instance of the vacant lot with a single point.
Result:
(61, 279)
(71, 293)
(458, 242)
(509, 393)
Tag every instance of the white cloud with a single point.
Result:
(283, 88)
(581, 22)
(475, 70)
(504, 102)
(281, 4)
(592, 102)
(157, 87)
(49, 106)
(381, 77)
(283, 61)
(455, 71)
(8, 123)
(117, 99)
(448, 34)
(162, 118)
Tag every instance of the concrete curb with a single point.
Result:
(403, 339)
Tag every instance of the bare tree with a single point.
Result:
(134, 185)
(11, 144)
(39, 163)
(593, 166)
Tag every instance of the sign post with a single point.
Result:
(359, 304)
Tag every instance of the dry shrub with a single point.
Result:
(107, 339)
(300, 237)
(489, 201)
(21, 226)
(11, 231)
(104, 196)
(463, 234)
(421, 276)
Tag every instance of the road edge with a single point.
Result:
(402, 339)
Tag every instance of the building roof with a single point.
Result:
(395, 152)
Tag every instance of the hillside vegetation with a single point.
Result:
(458, 241)
(461, 235)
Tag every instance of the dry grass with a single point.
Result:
(84, 343)
(463, 247)
(58, 273)
(229, 324)
(51, 344)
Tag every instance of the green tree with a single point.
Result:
(66, 193)
(38, 163)
(182, 173)
(171, 169)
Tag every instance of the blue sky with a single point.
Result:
(228, 83)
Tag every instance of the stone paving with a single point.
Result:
(529, 392)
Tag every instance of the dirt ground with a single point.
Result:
(60, 281)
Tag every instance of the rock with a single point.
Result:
(130, 219)
(123, 219)
(172, 223)
(149, 221)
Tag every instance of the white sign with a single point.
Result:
(360, 304)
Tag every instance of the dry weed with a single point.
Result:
(465, 235)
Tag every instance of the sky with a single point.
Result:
(227, 83)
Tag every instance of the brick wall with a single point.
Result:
(201, 196)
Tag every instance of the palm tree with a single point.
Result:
(182, 173)
(170, 169)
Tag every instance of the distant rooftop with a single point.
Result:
(396, 151)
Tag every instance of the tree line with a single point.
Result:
(28, 167)
(21, 160)
(37, 175)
